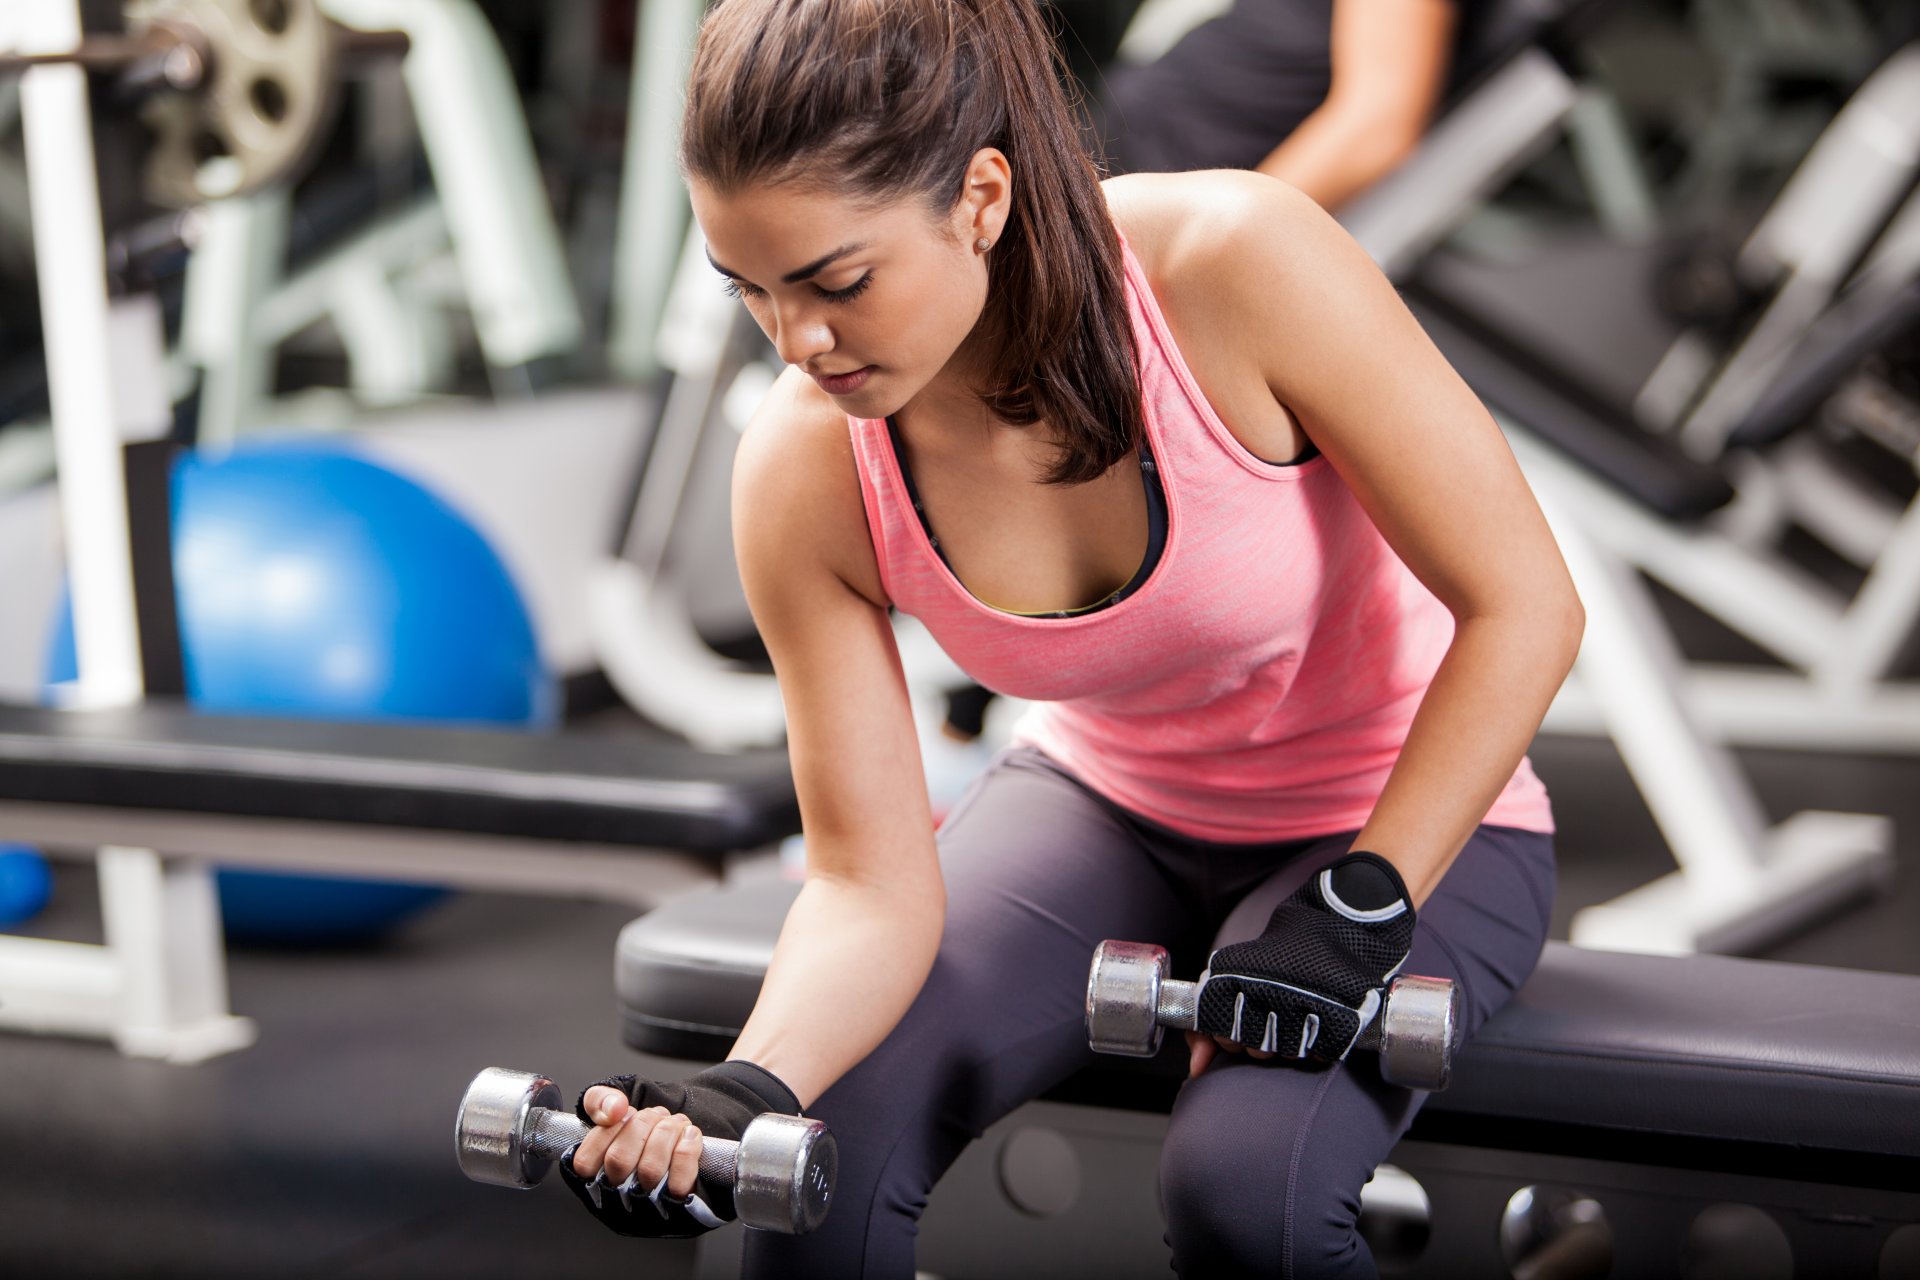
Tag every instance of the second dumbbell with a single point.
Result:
(1131, 1001)
(512, 1127)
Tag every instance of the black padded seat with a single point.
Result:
(609, 789)
(1653, 1049)
(1556, 409)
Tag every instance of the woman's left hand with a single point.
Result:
(1309, 985)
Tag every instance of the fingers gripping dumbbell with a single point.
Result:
(1130, 1002)
(513, 1125)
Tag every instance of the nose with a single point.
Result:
(800, 335)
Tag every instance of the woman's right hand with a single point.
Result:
(643, 1144)
(640, 1131)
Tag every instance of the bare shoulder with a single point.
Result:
(1239, 258)
(796, 491)
(1230, 234)
(1167, 215)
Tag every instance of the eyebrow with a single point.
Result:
(813, 268)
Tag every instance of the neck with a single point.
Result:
(950, 406)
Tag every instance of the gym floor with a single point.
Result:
(326, 1149)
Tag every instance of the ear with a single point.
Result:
(986, 201)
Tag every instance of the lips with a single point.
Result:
(842, 384)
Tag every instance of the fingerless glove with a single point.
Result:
(721, 1101)
(1312, 981)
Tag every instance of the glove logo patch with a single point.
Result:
(1391, 911)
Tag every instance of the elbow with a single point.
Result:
(1541, 633)
(1376, 145)
(1570, 627)
(1392, 148)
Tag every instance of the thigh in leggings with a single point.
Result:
(1263, 1164)
(1037, 873)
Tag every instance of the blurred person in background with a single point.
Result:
(1327, 95)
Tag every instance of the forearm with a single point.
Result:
(1472, 730)
(1334, 155)
(849, 962)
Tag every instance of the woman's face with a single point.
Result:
(871, 302)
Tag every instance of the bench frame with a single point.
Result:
(157, 986)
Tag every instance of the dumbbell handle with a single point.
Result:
(1179, 1009)
(551, 1133)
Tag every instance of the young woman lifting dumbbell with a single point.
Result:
(1167, 456)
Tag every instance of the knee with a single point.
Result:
(1247, 1210)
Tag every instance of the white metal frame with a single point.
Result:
(653, 200)
(488, 211)
(642, 628)
(1840, 691)
(484, 168)
(1740, 884)
(1836, 693)
(157, 986)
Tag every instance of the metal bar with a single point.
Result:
(1464, 157)
(653, 207)
(614, 873)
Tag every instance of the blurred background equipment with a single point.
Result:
(355, 259)
(237, 93)
(312, 583)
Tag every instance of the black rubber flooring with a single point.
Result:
(326, 1150)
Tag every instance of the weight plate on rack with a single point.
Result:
(260, 110)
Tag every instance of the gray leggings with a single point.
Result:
(1039, 870)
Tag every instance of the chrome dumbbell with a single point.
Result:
(513, 1125)
(1131, 1001)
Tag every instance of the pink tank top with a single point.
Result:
(1258, 685)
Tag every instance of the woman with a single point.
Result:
(1169, 457)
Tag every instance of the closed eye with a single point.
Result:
(741, 289)
(849, 293)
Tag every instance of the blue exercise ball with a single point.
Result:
(314, 583)
(25, 884)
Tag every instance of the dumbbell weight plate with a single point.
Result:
(1417, 1032)
(1123, 998)
(774, 1160)
(263, 108)
(493, 1118)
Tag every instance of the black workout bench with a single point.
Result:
(631, 817)
(1654, 1087)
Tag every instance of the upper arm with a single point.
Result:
(807, 564)
(1390, 63)
(1336, 346)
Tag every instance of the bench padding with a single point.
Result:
(1703, 1047)
(627, 788)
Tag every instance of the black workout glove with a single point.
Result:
(1307, 987)
(722, 1101)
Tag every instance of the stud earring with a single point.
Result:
(982, 245)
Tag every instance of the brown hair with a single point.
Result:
(891, 98)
